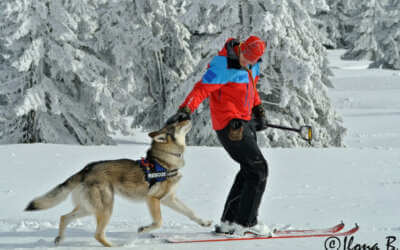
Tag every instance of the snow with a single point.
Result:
(368, 100)
(315, 187)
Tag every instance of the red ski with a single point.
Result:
(333, 229)
(276, 231)
(217, 238)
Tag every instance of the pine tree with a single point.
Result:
(117, 40)
(333, 23)
(388, 38)
(54, 77)
(367, 17)
(296, 75)
(73, 71)
(162, 61)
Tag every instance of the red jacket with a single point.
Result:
(232, 92)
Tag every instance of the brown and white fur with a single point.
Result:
(93, 188)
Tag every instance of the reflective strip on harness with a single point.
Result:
(156, 175)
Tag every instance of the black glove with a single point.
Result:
(236, 123)
(181, 115)
(259, 118)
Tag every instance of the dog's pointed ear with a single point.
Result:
(159, 136)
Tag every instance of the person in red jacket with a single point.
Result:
(230, 84)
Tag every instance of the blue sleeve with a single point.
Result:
(217, 73)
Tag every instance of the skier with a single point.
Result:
(230, 82)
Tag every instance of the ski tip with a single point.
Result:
(339, 227)
(341, 224)
(354, 229)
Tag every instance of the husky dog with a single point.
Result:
(94, 186)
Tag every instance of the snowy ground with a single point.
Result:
(307, 187)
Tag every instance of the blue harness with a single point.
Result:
(154, 172)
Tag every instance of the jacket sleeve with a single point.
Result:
(257, 100)
(213, 79)
(199, 92)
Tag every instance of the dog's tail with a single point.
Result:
(60, 192)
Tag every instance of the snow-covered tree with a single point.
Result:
(73, 71)
(333, 23)
(388, 38)
(161, 59)
(54, 95)
(296, 75)
(116, 38)
(366, 18)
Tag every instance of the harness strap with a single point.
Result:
(154, 172)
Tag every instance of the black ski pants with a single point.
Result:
(248, 188)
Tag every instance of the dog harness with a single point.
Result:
(154, 172)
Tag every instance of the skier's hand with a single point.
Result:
(260, 123)
(181, 115)
(259, 118)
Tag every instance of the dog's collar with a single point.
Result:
(178, 155)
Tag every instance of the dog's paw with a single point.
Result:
(145, 229)
(58, 240)
(149, 228)
(205, 223)
(141, 230)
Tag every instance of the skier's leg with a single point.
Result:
(250, 182)
(246, 193)
(253, 189)
(232, 202)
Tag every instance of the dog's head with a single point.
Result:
(175, 132)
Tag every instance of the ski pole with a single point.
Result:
(304, 131)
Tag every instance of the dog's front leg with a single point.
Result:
(174, 203)
(155, 211)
